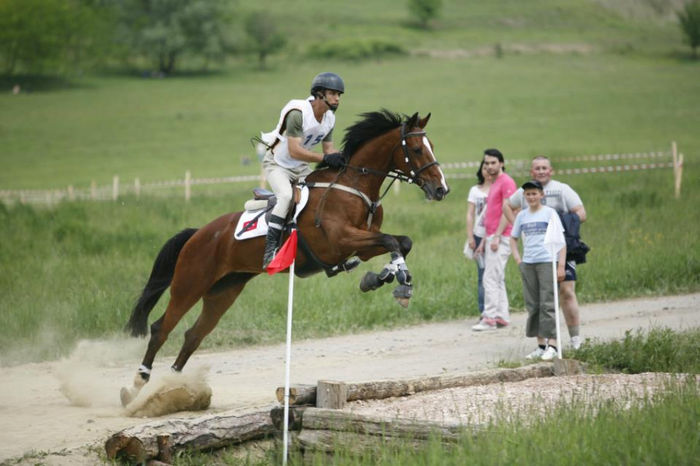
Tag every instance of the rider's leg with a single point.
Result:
(279, 181)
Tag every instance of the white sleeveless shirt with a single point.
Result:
(313, 132)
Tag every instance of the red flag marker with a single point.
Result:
(285, 256)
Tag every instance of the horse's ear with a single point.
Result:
(413, 121)
(424, 121)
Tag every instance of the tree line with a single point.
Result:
(54, 36)
(59, 36)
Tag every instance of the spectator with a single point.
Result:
(496, 247)
(564, 200)
(536, 269)
(476, 207)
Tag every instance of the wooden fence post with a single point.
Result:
(115, 187)
(677, 169)
(71, 193)
(137, 187)
(188, 183)
(93, 190)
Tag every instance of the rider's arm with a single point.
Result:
(294, 124)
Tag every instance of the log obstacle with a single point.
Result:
(306, 394)
(161, 439)
(316, 428)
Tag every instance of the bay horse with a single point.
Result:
(342, 219)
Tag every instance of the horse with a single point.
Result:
(341, 220)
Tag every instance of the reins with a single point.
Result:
(394, 174)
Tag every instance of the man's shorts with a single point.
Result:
(570, 271)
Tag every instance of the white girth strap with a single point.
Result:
(371, 205)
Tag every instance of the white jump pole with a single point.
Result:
(285, 429)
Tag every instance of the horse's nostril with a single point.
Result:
(440, 193)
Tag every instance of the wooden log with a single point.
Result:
(296, 414)
(298, 395)
(306, 394)
(328, 441)
(140, 443)
(393, 388)
(343, 421)
(331, 394)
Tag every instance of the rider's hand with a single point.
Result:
(334, 160)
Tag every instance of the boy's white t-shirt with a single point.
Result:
(532, 226)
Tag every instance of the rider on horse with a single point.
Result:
(303, 123)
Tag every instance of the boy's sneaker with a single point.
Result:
(485, 324)
(549, 354)
(537, 354)
(576, 342)
(500, 323)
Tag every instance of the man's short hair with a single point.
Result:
(494, 153)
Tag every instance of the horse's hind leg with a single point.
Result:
(215, 304)
(160, 329)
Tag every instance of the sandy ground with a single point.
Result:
(61, 412)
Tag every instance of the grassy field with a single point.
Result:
(73, 270)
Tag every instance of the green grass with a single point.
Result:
(73, 270)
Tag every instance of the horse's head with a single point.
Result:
(416, 160)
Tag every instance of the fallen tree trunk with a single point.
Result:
(306, 394)
(327, 430)
(141, 443)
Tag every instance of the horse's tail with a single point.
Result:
(158, 282)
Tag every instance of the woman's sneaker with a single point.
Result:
(484, 325)
(537, 354)
(549, 354)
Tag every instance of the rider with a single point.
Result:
(302, 125)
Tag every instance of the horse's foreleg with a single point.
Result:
(370, 244)
(214, 306)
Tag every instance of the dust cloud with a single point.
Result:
(81, 374)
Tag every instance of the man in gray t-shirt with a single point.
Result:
(563, 199)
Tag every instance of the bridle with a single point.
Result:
(394, 174)
(412, 176)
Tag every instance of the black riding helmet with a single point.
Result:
(327, 81)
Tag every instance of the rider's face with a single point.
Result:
(332, 98)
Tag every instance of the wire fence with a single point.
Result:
(453, 170)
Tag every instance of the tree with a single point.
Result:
(36, 35)
(164, 30)
(689, 18)
(263, 36)
(424, 10)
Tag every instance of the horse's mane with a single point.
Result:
(372, 125)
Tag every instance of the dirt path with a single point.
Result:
(37, 420)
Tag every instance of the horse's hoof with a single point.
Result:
(403, 301)
(126, 396)
(370, 282)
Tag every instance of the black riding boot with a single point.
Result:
(272, 241)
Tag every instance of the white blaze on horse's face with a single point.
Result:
(427, 145)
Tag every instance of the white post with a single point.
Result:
(188, 182)
(137, 187)
(71, 193)
(674, 154)
(556, 305)
(115, 187)
(285, 428)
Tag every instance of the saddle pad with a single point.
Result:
(255, 227)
